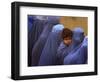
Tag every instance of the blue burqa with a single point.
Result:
(34, 34)
(78, 54)
(37, 28)
(48, 56)
(62, 51)
(39, 45)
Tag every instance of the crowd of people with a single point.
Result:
(50, 43)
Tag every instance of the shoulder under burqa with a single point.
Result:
(78, 55)
(62, 51)
(48, 56)
(38, 47)
(34, 33)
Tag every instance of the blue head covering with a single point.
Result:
(53, 19)
(78, 36)
(41, 17)
(48, 56)
(39, 45)
(78, 52)
(57, 28)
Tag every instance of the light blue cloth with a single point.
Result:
(78, 54)
(78, 36)
(48, 56)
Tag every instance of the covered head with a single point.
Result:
(41, 17)
(57, 28)
(78, 35)
(53, 19)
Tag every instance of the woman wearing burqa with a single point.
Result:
(65, 45)
(34, 33)
(39, 45)
(48, 56)
(62, 52)
(78, 55)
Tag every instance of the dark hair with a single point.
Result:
(66, 33)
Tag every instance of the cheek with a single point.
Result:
(65, 41)
(69, 41)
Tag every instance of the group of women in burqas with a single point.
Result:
(47, 47)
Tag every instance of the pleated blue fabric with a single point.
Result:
(34, 33)
(62, 52)
(39, 45)
(48, 56)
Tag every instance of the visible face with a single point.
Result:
(67, 41)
